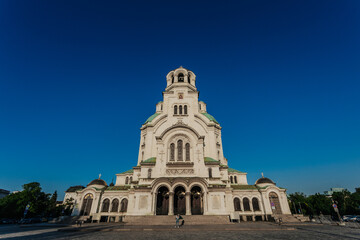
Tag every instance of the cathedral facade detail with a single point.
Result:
(181, 168)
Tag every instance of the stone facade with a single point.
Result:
(181, 168)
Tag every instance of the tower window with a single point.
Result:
(172, 152)
(185, 109)
(187, 150)
(175, 110)
(231, 179)
(200, 106)
(180, 109)
(180, 150)
(189, 78)
(181, 77)
(126, 180)
(235, 179)
(210, 172)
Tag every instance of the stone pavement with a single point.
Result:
(245, 230)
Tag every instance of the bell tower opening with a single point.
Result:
(181, 77)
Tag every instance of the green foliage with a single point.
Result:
(348, 203)
(41, 204)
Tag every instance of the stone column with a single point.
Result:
(188, 203)
(171, 203)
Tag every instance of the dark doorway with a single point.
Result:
(162, 203)
(86, 205)
(275, 203)
(196, 201)
(179, 201)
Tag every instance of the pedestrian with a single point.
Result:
(177, 219)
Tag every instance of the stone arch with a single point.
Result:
(87, 204)
(180, 126)
(181, 184)
(115, 205)
(246, 204)
(105, 205)
(275, 202)
(256, 204)
(162, 200)
(124, 205)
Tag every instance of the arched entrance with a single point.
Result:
(86, 205)
(162, 202)
(179, 201)
(197, 201)
(275, 203)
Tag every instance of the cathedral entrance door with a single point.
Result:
(86, 205)
(275, 203)
(179, 201)
(196, 201)
(162, 203)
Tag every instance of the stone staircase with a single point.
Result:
(170, 220)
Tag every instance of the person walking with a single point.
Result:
(177, 219)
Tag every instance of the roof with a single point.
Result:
(151, 118)
(128, 171)
(150, 160)
(264, 180)
(211, 118)
(75, 188)
(243, 187)
(210, 160)
(231, 170)
(118, 188)
(97, 182)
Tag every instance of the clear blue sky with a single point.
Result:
(78, 78)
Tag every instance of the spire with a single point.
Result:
(99, 175)
(262, 174)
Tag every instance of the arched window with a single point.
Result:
(246, 203)
(127, 180)
(189, 78)
(86, 205)
(231, 179)
(255, 203)
(187, 150)
(115, 205)
(185, 109)
(180, 150)
(130, 180)
(123, 206)
(210, 172)
(235, 179)
(105, 205)
(172, 152)
(172, 79)
(175, 110)
(199, 106)
(180, 110)
(237, 206)
(149, 173)
(181, 77)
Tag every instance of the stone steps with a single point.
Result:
(170, 220)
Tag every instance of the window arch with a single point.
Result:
(210, 172)
(149, 173)
(115, 205)
(187, 150)
(180, 110)
(235, 179)
(181, 77)
(231, 179)
(105, 205)
(246, 203)
(175, 109)
(237, 206)
(123, 206)
(180, 150)
(130, 180)
(255, 203)
(172, 152)
(86, 205)
(127, 180)
(185, 109)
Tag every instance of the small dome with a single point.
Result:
(97, 182)
(264, 180)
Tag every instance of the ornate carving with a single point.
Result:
(179, 171)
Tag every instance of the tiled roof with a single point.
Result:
(152, 117)
(231, 170)
(211, 118)
(128, 171)
(150, 160)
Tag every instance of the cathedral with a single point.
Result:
(181, 169)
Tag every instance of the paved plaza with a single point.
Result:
(254, 230)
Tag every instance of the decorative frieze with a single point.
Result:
(179, 171)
